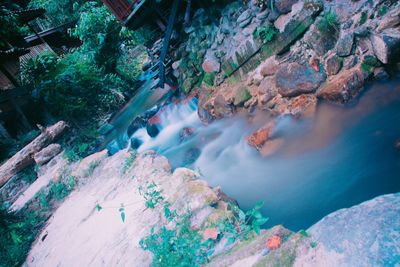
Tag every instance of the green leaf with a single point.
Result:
(261, 221)
(256, 229)
(98, 207)
(123, 216)
(257, 215)
(259, 205)
(242, 215)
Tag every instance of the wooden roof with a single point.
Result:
(26, 15)
(14, 52)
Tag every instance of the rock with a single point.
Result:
(136, 143)
(390, 20)
(46, 154)
(295, 79)
(241, 96)
(273, 242)
(299, 106)
(87, 164)
(244, 16)
(380, 74)
(273, 15)
(221, 107)
(185, 133)
(260, 137)
(257, 79)
(386, 45)
(211, 64)
(333, 65)
(263, 15)
(152, 130)
(269, 67)
(284, 6)
(245, 23)
(271, 146)
(344, 86)
(345, 44)
(365, 235)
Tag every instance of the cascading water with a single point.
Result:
(339, 158)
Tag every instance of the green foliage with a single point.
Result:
(61, 189)
(130, 63)
(209, 78)
(99, 32)
(180, 246)
(17, 232)
(369, 63)
(382, 11)
(129, 162)
(328, 22)
(39, 68)
(364, 17)
(122, 212)
(10, 26)
(242, 225)
(265, 33)
(303, 233)
(151, 194)
(313, 244)
(57, 12)
(28, 174)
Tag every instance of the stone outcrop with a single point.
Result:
(344, 86)
(295, 79)
(319, 48)
(363, 235)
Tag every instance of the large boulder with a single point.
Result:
(284, 6)
(344, 86)
(364, 235)
(242, 95)
(386, 45)
(295, 79)
(333, 65)
(345, 44)
(261, 136)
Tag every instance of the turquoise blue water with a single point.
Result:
(343, 156)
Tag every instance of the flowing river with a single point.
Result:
(342, 156)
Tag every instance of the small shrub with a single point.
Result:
(129, 162)
(17, 233)
(364, 17)
(265, 33)
(180, 246)
(209, 78)
(151, 194)
(382, 11)
(328, 22)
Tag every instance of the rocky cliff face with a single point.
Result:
(288, 56)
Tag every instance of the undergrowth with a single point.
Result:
(17, 232)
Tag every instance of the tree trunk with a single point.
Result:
(24, 157)
(3, 132)
(187, 13)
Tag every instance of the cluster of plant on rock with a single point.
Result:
(182, 245)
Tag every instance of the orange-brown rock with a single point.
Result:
(260, 137)
(299, 106)
(271, 146)
(344, 86)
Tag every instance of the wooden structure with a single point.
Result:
(121, 8)
(13, 96)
